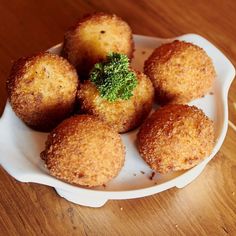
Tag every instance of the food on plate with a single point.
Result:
(116, 94)
(84, 151)
(87, 150)
(42, 90)
(180, 72)
(93, 37)
(175, 137)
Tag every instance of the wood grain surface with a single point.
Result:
(205, 207)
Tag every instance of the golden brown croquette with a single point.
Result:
(180, 72)
(42, 90)
(122, 115)
(93, 37)
(175, 137)
(84, 151)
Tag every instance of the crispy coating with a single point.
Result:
(175, 137)
(122, 115)
(42, 90)
(84, 151)
(93, 37)
(180, 72)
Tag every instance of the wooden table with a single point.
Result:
(205, 207)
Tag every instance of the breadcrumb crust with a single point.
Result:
(180, 72)
(175, 137)
(93, 37)
(84, 151)
(42, 90)
(122, 115)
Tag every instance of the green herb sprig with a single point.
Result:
(113, 77)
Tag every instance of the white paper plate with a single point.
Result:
(20, 146)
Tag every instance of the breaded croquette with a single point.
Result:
(42, 90)
(122, 115)
(180, 72)
(84, 151)
(175, 137)
(93, 37)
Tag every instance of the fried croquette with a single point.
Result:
(42, 90)
(93, 37)
(175, 137)
(84, 151)
(180, 72)
(122, 115)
